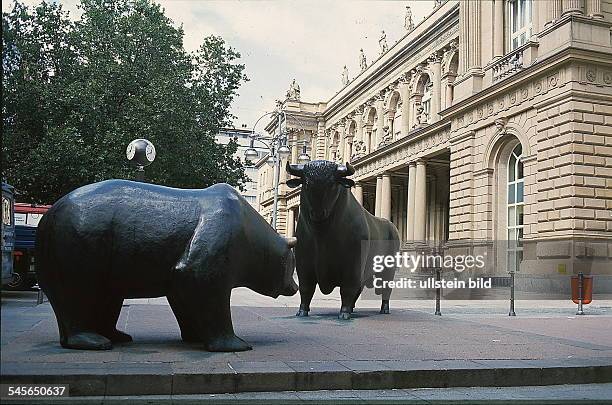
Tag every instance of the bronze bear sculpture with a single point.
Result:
(118, 239)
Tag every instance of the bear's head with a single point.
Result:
(274, 276)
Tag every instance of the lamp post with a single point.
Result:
(140, 153)
(278, 151)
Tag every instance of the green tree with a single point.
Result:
(77, 92)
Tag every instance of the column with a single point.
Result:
(401, 206)
(359, 128)
(380, 122)
(367, 138)
(432, 210)
(342, 141)
(469, 35)
(410, 204)
(535, 19)
(321, 140)
(378, 197)
(420, 201)
(348, 150)
(295, 148)
(442, 198)
(463, 36)
(405, 94)
(437, 88)
(358, 193)
(348, 141)
(594, 9)
(283, 176)
(290, 223)
(572, 7)
(475, 37)
(554, 11)
(449, 95)
(385, 208)
(498, 29)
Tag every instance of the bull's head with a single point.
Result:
(322, 182)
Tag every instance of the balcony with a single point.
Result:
(513, 62)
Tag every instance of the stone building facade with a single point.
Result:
(489, 121)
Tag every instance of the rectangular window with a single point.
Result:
(519, 15)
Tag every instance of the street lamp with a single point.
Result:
(250, 154)
(140, 153)
(278, 151)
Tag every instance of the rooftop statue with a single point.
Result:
(383, 43)
(345, 76)
(363, 63)
(294, 91)
(408, 22)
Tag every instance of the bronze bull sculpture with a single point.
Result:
(338, 238)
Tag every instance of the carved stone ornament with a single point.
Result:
(500, 124)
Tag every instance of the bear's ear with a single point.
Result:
(348, 183)
(293, 183)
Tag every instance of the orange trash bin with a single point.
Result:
(587, 289)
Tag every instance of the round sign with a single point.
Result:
(140, 152)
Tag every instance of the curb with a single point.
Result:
(139, 384)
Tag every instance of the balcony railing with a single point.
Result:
(508, 65)
(514, 62)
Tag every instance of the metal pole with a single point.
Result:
(140, 174)
(277, 169)
(512, 313)
(438, 293)
(580, 293)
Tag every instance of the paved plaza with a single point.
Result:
(473, 344)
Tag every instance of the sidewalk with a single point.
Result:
(473, 344)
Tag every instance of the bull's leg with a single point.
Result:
(387, 275)
(108, 314)
(384, 307)
(347, 294)
(307, 287)
(355, 300)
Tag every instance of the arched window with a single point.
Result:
(515, 202)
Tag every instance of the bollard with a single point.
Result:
(438, 293)
(512, 313)
(40, 297)
(580, 293)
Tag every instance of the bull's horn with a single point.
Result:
(295, 170)
(344, 171)
(291, 242)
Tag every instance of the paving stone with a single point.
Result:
(409, 348)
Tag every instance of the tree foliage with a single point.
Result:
(75, 93)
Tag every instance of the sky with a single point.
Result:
(279, 40)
